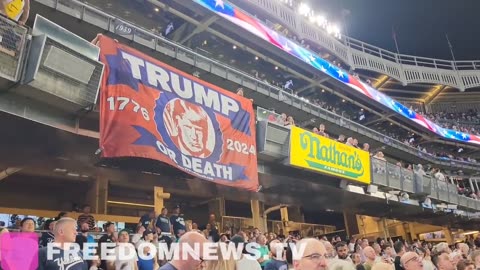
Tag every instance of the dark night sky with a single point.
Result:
(420, 25)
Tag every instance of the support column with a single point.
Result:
(411, 228)
(448, 236)
(285, 220)
(406, 232)
(97, 195)
(386, 231)
(351, 223)
(159, 197)
(258, 218)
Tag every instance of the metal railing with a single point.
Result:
(306, 229)
(267, 115)
(13, 41)
(158, 43)
(358, 54)
(391, 176)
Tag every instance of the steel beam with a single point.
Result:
(383, 118)
(432, 94)
(204, 24)
(8, 171)
(380, 82)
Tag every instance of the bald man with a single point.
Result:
(411, 261)
(190, 238)
(370, 257)
(65, 232)
(313, 257)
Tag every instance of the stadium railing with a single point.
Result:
(386, 175)
(307, 229)
(158, 43)
(358, 54)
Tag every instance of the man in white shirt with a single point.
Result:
(245, 263)
(439, 176)
(129, 258)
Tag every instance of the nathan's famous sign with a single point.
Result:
(311, 151)
(149, 109)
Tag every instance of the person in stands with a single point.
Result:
(27, 225)
(17, 10)
(341, 249)
(178, 222)
(475, 256)
(106, 240)
(264, 250)
(65, 233)
(148, 220)
(370, 257)
(399, 248)
(190, 262)
(86, 217)
(278, 257)
(313, 257)
(443, 261)
(83, 237)
(411, 261)
(47, 237)
(124, 248)
(244, 263)
(163, 222)
(465, 265)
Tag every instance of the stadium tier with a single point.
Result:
(218, 108)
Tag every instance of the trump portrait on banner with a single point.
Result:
(190, 128)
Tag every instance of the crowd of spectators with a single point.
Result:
(320, 252)
(284, 120)
(350, 111)
(467, 122)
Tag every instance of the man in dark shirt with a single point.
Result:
(178, 222)
(163, 222)
(108, 238)
(148, 220)
(214, 228)
(47, 237)
(277, 262)
(83, 236)
(400, 250)
(65, 232)
(86, 217)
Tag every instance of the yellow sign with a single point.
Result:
(14, 9)
(314, 152)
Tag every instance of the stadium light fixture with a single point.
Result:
(276, 68)
(336, 30)
(157, 9)
(256, 57)
(234, 47)
(304, 9)
(321, 20)
(330, 29)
